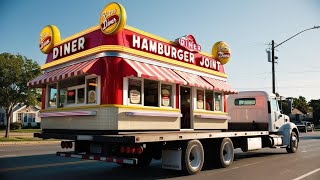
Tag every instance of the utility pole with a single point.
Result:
(272, 56)
(273, 73)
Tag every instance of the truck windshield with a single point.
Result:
(274, 105)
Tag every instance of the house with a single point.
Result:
(28, 116)
(298, 116)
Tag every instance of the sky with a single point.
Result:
(248, 26)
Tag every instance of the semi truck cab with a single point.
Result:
(255, 110)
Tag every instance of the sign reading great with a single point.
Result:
(112, 18)
(49, 36)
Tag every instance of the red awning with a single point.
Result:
(63, 73)
(220, 85)
(155, 72)
(194, 80)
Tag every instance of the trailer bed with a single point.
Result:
(143, 137)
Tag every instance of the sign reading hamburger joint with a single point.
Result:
(112, 18)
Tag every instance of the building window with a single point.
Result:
(200, 99)
(166, 95)
(151, 96)
(92, 90)
(31, 117)
(217, 101)
(19, 117)
(135, 91)
(209, 101)
(76, 91)
(52, 93)
(2, 115)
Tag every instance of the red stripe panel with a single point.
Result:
(62, 73)
(155, 72)
(194, 80)
(220, 85)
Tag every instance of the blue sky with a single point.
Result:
(248, 26)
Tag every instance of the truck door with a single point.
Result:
(277, 119)
(185, 95)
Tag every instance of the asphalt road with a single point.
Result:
(38, 161)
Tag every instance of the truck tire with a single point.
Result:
(225, 154)
(192, 157)
(294, 143)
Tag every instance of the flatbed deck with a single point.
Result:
(143, 137)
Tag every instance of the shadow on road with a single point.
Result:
(239, 156)
(309, 137)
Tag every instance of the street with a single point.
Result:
(38, 161)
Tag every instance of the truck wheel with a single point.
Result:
(225, 154)
(192, 157)
(293, 147)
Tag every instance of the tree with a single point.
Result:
(301, 104)
(15, 72)
(315, 104)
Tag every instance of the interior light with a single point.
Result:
(92, 84)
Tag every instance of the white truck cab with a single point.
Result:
(255, 110)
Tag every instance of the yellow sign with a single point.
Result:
(221, 52)
(113, 18)
(49, 36)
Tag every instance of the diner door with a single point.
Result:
(185, 104)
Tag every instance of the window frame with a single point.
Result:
(58, 87)
(48, 95)
(126, 90)
(195, 99)
(172, 95)
(221, 102)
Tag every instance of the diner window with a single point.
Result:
(209, 101)
(166, 95)
(134, 91)
(200, 99)
(71, 96)
(92, 90)
(151, 96)
(74, 91)
(218, 101)
(52, 95)
(62, 97)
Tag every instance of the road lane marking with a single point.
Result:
(43, 166)
(307, 174)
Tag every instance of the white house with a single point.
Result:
(25, 115)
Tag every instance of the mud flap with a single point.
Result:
(171, 159)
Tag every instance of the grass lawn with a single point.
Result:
(17, 139)
(22, 130)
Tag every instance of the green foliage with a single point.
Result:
(315, 105)
(15, 72)
(301, 104)
(15, 125)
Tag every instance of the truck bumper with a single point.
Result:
(118, 160)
